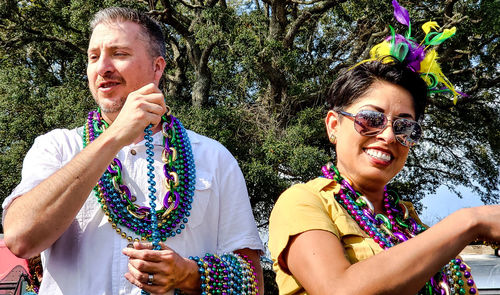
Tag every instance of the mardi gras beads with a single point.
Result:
(395, 227)
(115, 197)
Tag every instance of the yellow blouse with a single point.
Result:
(311, 206)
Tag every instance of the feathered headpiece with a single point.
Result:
(418, 57)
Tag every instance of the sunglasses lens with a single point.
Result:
(370, 123)
(407, 132)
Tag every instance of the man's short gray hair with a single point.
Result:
(149, 26)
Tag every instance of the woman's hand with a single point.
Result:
(487, 220)
(167, 269)
(316, 258)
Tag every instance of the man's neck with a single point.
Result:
(109, 117)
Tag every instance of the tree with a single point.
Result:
(253, 74)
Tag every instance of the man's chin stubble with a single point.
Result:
(113, 108)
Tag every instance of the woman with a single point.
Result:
(343, 233)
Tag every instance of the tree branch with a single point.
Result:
(304, 16)
(307, 2)
(222, 3)
(257, 4)
(170, 17)
(455, 21)
(188, 5)
(428, 168)
(205, 55)
(41, 37)
(448, 9)
(172, 12)
(483, 83)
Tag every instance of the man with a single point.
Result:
(55, 209)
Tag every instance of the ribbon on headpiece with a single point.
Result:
(418, 57)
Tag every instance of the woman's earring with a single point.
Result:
(333, 138)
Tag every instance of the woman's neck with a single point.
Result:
(373, 192)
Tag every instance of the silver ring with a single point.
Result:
(150, 279)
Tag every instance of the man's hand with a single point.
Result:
(167, 269)
(144, 106)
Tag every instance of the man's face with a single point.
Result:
(119, 62)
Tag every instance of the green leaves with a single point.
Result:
(267, 84)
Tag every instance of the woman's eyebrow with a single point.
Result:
(379, 109)
(405, 115)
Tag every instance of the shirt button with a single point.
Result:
(133, 152)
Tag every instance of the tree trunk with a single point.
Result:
(175, 82)
(201, 88)
(277, 87)
(178, 79)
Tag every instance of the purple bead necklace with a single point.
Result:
(179, 174)
(395, 227)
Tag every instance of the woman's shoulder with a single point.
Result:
(305, 199)
(302, 207)
(307, 192)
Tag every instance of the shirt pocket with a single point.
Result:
(355, 241)
(203, 193)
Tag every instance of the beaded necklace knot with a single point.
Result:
(395, 227)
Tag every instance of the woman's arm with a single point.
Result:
(316, 258)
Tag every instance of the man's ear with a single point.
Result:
(158, 67)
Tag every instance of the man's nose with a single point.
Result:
(105, 65)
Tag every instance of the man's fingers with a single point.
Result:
(144, 252)
(142, 276)
(149, 246)
(141, 99)
(142, 246)
(165, 247)
(148, 89)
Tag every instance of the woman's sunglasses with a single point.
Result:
(371, 123)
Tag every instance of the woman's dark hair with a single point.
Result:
(355, 82)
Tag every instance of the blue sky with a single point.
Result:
(445, 202)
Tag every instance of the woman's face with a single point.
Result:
(371, 162)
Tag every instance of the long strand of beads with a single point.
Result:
(395, 227)
(151, 188)
(383, 229)
(152, 191)
(116, 199)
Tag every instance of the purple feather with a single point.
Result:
(401, 14)
(415, 55)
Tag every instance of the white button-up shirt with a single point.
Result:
(87, 258)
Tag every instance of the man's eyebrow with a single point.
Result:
(112, 48)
